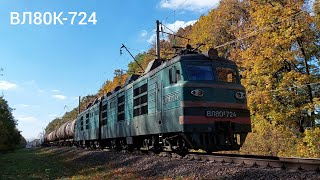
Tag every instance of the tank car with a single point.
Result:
(63, 135)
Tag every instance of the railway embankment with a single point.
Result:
(73, 163)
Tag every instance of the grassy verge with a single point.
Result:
(29, 164)
(53, 163)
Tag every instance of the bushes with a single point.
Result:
(278, 140)
(10, 137)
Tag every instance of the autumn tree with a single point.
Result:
(181, 37)
(118, 80)
(133, 66)
(71, 115)
(220, 26)
(317, 23)
(316, 6)
(276, 60)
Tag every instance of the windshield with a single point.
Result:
(226, 75)
(200, 72)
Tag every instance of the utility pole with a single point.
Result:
(79, 109)
(158, 39)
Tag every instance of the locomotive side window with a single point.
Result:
(104, 114)
(199, 72)
(226, 75)
(87, 121)
(140, 100)
(112, 114)
(81, 123)
(121, 107)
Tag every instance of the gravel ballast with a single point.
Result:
(156, 167)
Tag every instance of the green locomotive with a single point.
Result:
(194, 101)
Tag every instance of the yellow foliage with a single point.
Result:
(310, 145)
(111, 85)
(269, 139)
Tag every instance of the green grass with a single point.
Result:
(53, 163)
(31, 164)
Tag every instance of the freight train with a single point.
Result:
(193, 101)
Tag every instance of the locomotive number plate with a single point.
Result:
(221, 114)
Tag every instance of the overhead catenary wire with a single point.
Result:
(165, 19)
(141, 51)
(210, 8)
(290, 87)
(175, 33)
(167, 27)
(174, 11)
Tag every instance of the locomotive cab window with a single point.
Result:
(227, 75)
(174, 75)
(199, 72)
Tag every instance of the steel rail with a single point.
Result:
(309, 164)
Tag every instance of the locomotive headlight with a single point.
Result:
(197, 92)
(240, 95)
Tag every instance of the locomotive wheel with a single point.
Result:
(156, 149)
(182, 149)
(97, 145)
(130, 148)
(146, 144)
(209, 150)
(102, 145)
(91, 146)
(115, 145)
(123, 144)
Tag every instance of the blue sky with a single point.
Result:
(46, 67)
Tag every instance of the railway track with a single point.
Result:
(308, 164)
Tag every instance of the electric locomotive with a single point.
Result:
(193, 101)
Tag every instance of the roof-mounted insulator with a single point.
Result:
(211, 53)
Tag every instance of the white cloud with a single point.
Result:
(152, 39)
(55, 91)
(180, 24)
(52, 115)
(24, 105)
(172, 26)
(27, 106)
(5, 85)
(59, 96)
(143, 33)
(191, 5)
(41, 91)
(28, 119)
